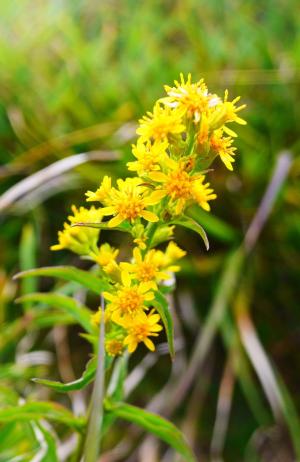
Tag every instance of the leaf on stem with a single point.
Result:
(162, 306)
(68, 273)
(154, 424)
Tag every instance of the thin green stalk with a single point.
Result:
(93, 435)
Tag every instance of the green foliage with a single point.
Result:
(73, 78)
(154, 424)
(41, 410)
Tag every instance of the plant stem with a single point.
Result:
(93, 436)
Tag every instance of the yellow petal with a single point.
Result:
(108, 296)
(149, 216)
(126, 279)
(149, 344)
(114, 222)
(137, 255)
(158, 176)
(108, 211)
(155, 197)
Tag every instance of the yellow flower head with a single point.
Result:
(147, 268)
(181, 187)
(192, 97)
(225, 112)
(129, 299)
(161, 123)
(79, 239)
(114, 347)
(202, 193)
(222, 145)
(102, 192)
(106, 258)
(148, 155)
(140, 328)
(96, 317)
(129, 202)
(167, 259)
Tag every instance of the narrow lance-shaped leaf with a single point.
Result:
(27, 257)
(47, 451)
(88, 280)
(189, 223)
(214, 225)
(70, 306)
(115, 390)
(86, 378)
(162, 307)
(41, 410)
(154, 424)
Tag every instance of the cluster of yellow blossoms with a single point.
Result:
(178, 141)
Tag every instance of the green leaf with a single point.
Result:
(115, 390)
(162, 307)
(70, 306)
(86, 378)
(88, 280)
(42, 410)
(214, 225)
(124, 227)
(189, 223)
(154, 424)
(27, 257)
(46, 440)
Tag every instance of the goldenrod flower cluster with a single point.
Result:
(178, 141)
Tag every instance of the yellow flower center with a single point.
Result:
(114, 347)
(130, 207)
(146, 272)
(141, 331)
(129, 300)
(178, 185)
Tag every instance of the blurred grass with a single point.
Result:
(76, 75)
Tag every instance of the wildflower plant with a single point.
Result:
(187, 131)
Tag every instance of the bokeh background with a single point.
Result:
(75, 76)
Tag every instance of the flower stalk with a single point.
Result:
(93, 435)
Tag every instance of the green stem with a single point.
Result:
(93, 436)
(150, 233)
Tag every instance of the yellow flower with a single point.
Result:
(140, 328)
(202, 193)
(181, 187)
(226, 112)
(192, 97)
(129, 299)
(223, 147)
(80, 239)
(148, 156)
(161, 123)
(114, 347)
(96, 317)
(106, 258)
(147, 268)
(128, 202)
(202, 136)
(167, 259)
(102, 192)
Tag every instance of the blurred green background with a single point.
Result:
(75, 76)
